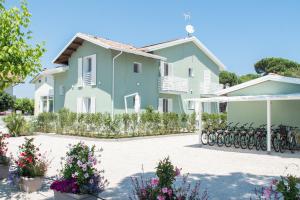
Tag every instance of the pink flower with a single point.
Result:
(154, 181)
(274, 182)
(160, 197)
(164, 190)
(267, 193)
(177, 171)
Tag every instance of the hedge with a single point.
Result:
(123, 125)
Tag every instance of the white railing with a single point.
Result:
(172, 84)
(87, 78)
(210, 88)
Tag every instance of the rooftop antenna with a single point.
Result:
(189, 28)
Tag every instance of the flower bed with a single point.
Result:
(79, 175)
(168, 185)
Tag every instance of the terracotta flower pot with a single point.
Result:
(70, 196)
(4, 169)
(31, 184)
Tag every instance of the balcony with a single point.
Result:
(173, 85)
(210, 88)
(87, 78)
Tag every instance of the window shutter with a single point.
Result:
(80, 80)
(171, 71)
(160, 105)
(170, 105)
(79, 105)
(161, 68)
(93, 105)
(94, 70)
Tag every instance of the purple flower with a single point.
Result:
(160, 197)
(164, 190)
(154, 181)
(177, 171)
(267, 193)
(170, 192)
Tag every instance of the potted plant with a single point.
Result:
(167, 185)
(31, 167)
(4, 160)
(79, 178)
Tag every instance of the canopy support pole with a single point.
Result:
(198, 106)
(269, 126)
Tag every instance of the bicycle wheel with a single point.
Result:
(220, 140)
(251, 142)
(263, 143)
(293, 144)
(275, 144)
(282, 145)
(243, 141)
(257, 143)
(204, 138)
(211, 139)
(236, 141)
(227, 140)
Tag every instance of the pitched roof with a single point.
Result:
(51, 71)
(79, 38)
(193, 39)
(270, 77)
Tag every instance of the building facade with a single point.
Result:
(101, 75)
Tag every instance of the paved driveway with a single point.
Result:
(226, 173)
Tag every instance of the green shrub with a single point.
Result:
(46, 122)
(6, 101)
(15, 124)
(288, 187)
(25, 105)
(214, 120)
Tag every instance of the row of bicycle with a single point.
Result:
(246, 136)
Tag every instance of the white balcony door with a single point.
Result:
(165, 105)
(87, 70)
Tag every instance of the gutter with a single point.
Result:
(113, 84)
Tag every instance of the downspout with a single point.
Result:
(113, 84)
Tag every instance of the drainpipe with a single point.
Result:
(113, 84)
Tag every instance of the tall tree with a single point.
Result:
(228, 78)
(18, 58)
(248, 77)
(6, 101)
(279, 66)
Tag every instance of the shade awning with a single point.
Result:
(294, 96)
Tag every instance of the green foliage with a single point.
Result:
(228, 78)
(18, 57)
(288, 187)
(166, 172)
(123, 125)
(214, 120)
(26, 105)
(279, 66)
(247, 77)
(6, 101)
(15, 124)
(30, 162)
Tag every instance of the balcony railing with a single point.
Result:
(173, 85)
(210, 88)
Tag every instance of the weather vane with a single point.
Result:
(189, 28)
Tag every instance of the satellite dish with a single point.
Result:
(189, 29)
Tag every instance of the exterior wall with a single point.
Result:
(126, 81)
(43, 88)
(184, 56)
(282, 112)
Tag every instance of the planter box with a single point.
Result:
(70, 196)
(31, 184)
(4, 170)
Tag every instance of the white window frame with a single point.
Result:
(165, 105)
(139, 67)
(190, 72)
(163, 67)
(191, 105)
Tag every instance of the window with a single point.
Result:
(191, 74)
(165, 105)
(137, 67)
(46, 104)
(166, 69)
(86, 107)
(133, 101)
(191, 105)
(89, 65)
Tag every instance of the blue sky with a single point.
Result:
(238, 32)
